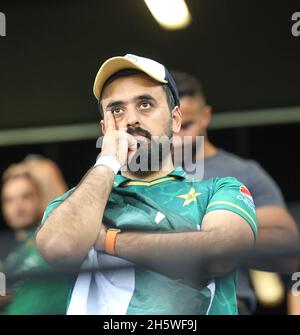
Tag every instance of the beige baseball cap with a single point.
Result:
(150, 67)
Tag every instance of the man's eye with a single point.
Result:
(145, 105)
(117, 110)
(186, 125)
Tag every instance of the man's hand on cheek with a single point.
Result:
(117, 143)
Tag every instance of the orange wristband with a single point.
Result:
(110, 240)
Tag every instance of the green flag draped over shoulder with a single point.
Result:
(135, 211)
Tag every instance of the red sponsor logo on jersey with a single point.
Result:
(246, 193)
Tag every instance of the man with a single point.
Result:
(185, 238)
(277, 229)
(20, 204)
(47, 174)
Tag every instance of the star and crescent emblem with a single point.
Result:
(189, 197)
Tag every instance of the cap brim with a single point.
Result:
(114, 65)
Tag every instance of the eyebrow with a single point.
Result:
(139, 97)
(187, 123)
(146, 97)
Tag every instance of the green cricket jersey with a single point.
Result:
(171, 203)
(33, 296)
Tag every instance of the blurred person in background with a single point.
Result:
(21, 211)
(50, 181)
(47, 174)
(276, 226)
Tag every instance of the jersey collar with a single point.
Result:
(177, 173)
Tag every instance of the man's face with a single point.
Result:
(139, 105)
(20, 203)
(195, 116)
(138, 101)
(195, 121)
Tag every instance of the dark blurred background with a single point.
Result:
(242, 51)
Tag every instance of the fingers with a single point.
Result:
(110, 121)
(118, 143)
(132, 142)
(132, 147)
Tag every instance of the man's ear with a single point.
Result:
(207, 112)
(176, 119)
(102, 127)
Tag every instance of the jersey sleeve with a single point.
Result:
(55, 203)
(229, 194)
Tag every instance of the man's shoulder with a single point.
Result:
(231, 158)
(228, 164)
(214, 182)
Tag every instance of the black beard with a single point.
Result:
(148, 148)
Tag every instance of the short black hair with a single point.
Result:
(188, 85)
(132, 72)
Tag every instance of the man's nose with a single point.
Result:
(132, 118)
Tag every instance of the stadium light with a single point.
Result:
(170, 14)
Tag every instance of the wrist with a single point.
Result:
(108, 161)
(110, 241)
(100, 242)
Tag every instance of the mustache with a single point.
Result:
(139, 131)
